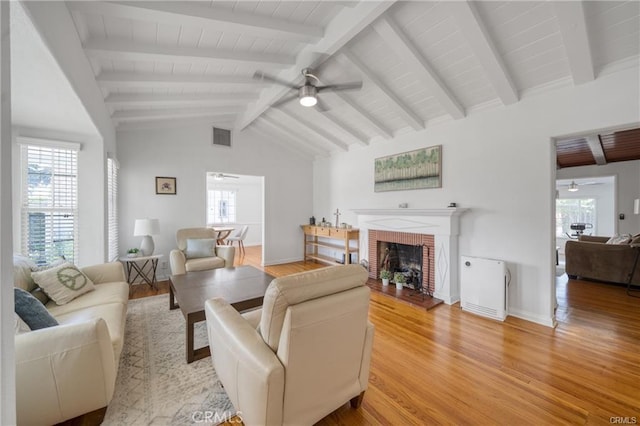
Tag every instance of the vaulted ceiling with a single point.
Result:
(419, 61)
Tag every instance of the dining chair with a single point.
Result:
(239, 236)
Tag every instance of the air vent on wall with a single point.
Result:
(221, 137)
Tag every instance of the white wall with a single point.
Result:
(627, 175)
(500, 164)
(187, 153)
(54, 23)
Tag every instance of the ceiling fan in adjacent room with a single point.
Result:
(222, 176)
(307, 93)
(573, 186)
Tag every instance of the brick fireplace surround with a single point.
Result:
(426, 241)
(437, 227)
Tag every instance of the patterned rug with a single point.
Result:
(155, 385)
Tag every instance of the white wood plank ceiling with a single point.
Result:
(419, 61)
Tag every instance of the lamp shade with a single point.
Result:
(146, 227)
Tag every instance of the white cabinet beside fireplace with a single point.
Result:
(319, 240)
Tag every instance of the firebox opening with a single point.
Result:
(403, 258)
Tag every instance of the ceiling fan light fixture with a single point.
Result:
(307, 95)
(308, 101)
(573, 187)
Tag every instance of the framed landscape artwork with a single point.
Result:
(417, 169)
(166, 185)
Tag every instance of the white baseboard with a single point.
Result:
(281, 261)
(528, 316)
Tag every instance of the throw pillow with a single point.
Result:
(63, 283)
(200, 247)
(32, 311)
(619, 239)
(59, 261)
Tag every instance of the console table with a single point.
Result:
(329, 238)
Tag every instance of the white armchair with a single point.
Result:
(181, 264)
(303, 355)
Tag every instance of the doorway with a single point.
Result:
(235, 201)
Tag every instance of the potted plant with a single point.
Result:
(385, 274)
(399, 279)
(133, 252)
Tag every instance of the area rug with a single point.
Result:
(155, 385)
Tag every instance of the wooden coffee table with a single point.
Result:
(243, 287)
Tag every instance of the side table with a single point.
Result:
(135, 270)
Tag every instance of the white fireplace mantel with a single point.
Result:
(451, 211)
(443, 224)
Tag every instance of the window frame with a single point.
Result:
(62, 159)
(230, 199)
(113, 238)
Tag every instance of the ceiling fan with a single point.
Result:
(573, 186)
(308, 92)
(221, 176)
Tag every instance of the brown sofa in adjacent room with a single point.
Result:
(590, 257)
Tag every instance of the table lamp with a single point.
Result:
(145, 228)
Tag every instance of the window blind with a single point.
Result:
(49, 202)
(112, 219)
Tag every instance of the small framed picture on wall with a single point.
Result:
(165, 185)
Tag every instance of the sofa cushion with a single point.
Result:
(203, 264)
(298, 288)
(19, 326)
(22, 267)
(619, 239)
(63, 283)
(117, 292)
(32, 311)
(200, 247)
(114, 314)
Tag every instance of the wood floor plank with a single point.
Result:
(447, 366)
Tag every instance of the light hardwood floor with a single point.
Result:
(449, 366)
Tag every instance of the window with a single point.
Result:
(221, 206)
(112, 208)
(49, 202)
(575, 210)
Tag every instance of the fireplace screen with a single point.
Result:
(403, 258)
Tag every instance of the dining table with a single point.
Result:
(223, 233)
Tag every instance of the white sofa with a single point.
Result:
(303, 355)
(68, 370)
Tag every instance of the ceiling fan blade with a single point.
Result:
(259, 75)
(356, 85)
(284, 100)
(321, 106)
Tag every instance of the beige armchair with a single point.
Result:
(180, 261)
(303, 355)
